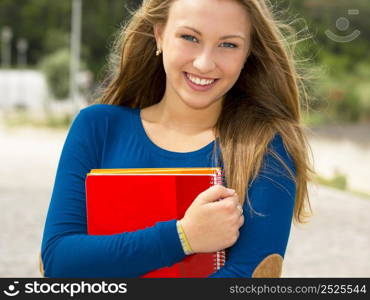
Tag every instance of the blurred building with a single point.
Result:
(27, 90)
(23, 89)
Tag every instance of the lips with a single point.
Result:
(201, 77)
(197, 87)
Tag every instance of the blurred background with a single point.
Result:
(53, 58)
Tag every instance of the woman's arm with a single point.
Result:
(261, 246)
(67, 250)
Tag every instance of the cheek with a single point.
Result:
(231, 68)
(173, 66)
(179, 53)
(234, 63)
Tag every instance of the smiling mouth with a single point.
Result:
(200, 81)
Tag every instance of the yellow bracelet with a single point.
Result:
(184, 241)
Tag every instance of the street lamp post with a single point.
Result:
(6, 37)
(75, 51)
(22, 46)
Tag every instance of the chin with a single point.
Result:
(198, 104)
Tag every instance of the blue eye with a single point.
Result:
(232, 45)
(185, 36)
(191, 38)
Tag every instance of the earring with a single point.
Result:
(159, 51)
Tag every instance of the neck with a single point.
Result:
(184, 119)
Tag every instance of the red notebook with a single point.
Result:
(124, 200)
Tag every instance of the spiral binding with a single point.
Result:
(219, 257)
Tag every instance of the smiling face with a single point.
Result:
(207, 39)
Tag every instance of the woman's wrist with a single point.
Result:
(184, 241)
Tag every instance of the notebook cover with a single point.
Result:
(119, 203)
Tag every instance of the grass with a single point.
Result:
(339, 182)
(360, 194)
(22, 119)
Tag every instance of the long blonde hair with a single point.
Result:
(265, 100)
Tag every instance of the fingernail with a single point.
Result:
(231, 191)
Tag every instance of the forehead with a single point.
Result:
(227, 16)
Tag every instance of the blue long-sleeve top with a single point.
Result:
(110, 136)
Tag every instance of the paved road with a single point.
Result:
(336, 243)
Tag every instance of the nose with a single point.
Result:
(204, 62)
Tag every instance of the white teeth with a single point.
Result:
(199, 81)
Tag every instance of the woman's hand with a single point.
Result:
(211, 225)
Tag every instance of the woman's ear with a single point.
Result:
(158, 32)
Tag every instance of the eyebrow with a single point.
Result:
(222, 38)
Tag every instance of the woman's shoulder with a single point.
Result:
(277, 142)
(277, 146)
(102, 117)
(99, 115)
(106, 109)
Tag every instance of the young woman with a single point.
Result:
(194, 84)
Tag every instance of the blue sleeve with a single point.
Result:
(273, 194)
(67, 250)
